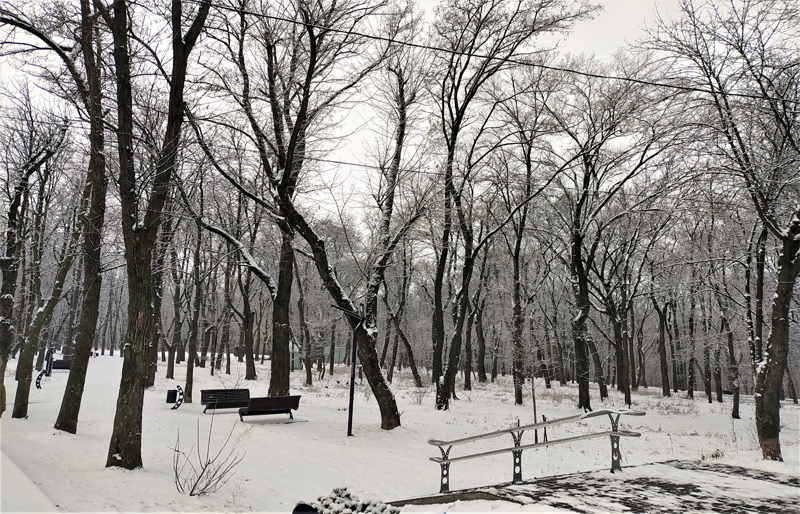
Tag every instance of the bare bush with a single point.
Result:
(209, 473)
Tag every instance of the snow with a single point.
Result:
(286, 463)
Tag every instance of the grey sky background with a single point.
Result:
(620, 22)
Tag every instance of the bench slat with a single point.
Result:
(623, 433)
(224, 398)
(274, 402)
(548, 423)
(266, 405)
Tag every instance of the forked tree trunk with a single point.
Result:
(140, 228)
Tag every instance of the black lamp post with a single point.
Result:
(361, 318)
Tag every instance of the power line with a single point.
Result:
(429, 172)
(421, 46)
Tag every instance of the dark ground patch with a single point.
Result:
(667, 487)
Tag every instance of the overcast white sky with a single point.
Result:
(621, 21)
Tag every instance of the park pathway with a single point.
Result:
(667, 487)
(18, 493)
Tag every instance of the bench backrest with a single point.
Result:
(210, 396)
(275, 402)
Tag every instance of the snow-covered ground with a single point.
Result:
(285, 463)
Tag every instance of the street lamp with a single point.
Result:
(361, 318)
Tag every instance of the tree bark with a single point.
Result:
(279, 362)
(194, 322)
(67, 419)
(28, 351)
(772, 365)
(125, 447)
(662, 349)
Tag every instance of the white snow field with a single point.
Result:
(284, 463)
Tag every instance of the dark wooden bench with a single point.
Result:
(224, 398)
(62, 364)
(270, 405)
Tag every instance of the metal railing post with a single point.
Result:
(517, 478)
(444, 481)
(616, 461)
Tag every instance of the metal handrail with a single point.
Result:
(516, 450)
(548, 423)
(624, 433)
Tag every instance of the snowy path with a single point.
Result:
(18, 493)
(668, 487)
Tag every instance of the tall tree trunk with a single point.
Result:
(393, 362)
(248, 318)
(772, 363)
(194, 322)
(139, 229)
(386, 341)
(177, 326)
(159, 259)
(279, 364)
(305, 334)
(454, 355)
(672, 320)
(718, 373)
(598, 367)
(480, 337)
(25, 363)
(634, 380)
(733, 371)
(662, 349)
(580, 289)
(556, 351)
(468, 351)
(706, 351)
(67, 419)
(406, 343)
(621, 348)
(332, 355)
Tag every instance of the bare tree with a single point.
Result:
(140, 223)
(32, 142)
(481, 38)
(616, 130)
(742, 56)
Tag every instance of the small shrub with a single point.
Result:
(210, 473)
(716, 454)
(341, 501)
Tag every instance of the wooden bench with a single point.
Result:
(224, 398)
(516, 450)
(270, 405)
(62, 364)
